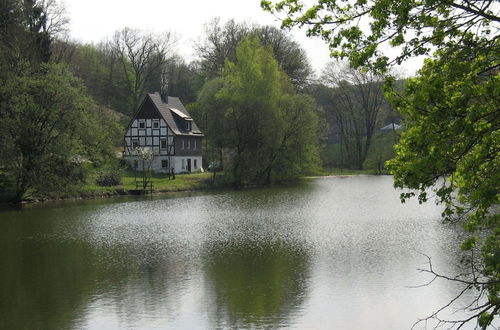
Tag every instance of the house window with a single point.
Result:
(156, 124)
(189, 144)
(142, 124)
(136, 164)
(163, 143)
(135, 143)
(194, 147)
(182, 146)
(188, 126)
(183, 164)
(164, 163)
(195, 163)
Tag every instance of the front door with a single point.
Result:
(189, 165)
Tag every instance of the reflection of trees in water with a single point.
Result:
(42, 283)
(54, 284)
(256, 285)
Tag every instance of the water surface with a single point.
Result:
(332, 253)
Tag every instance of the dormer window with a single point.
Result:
(189, 126)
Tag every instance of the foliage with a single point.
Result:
(381, 151)
(109, 178)
(269, 133)
(100, 70)
(50, 129)
(412, 27)
(458, 137)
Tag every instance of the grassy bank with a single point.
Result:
(161, 184)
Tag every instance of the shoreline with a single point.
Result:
(200, 185)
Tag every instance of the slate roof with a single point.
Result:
(172, 118)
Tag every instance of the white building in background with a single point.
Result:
(163, 124)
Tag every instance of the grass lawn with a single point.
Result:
(192, 181)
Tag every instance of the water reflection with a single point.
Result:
(256, 287)
(332, 253)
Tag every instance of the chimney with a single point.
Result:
(164, 96)
(164, 87)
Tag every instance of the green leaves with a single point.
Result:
(265, 131)
(52, 129)
(415, 25)
(453, 137)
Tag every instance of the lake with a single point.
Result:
(329, 253)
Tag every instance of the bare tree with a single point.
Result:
(358, 98)
(142, 54)
(219, 43)
(56, 18)
(221, 40)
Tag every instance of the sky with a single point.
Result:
(96, 20)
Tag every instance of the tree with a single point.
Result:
(412, 28)
(451, 145)
(357, 100)
(220, 43)
(142, 55)
(50, 128)
(269, 133)
(28, 29)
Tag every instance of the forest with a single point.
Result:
(65, 104)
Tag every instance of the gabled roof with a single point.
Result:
(170, 110)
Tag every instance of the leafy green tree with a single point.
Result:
(50, 130)
(412, 28)
(269, 133)
(251, 90)
(457, 138)
(451, 112)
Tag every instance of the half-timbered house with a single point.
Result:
(163, 125)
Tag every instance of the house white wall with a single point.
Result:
(180, 164)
